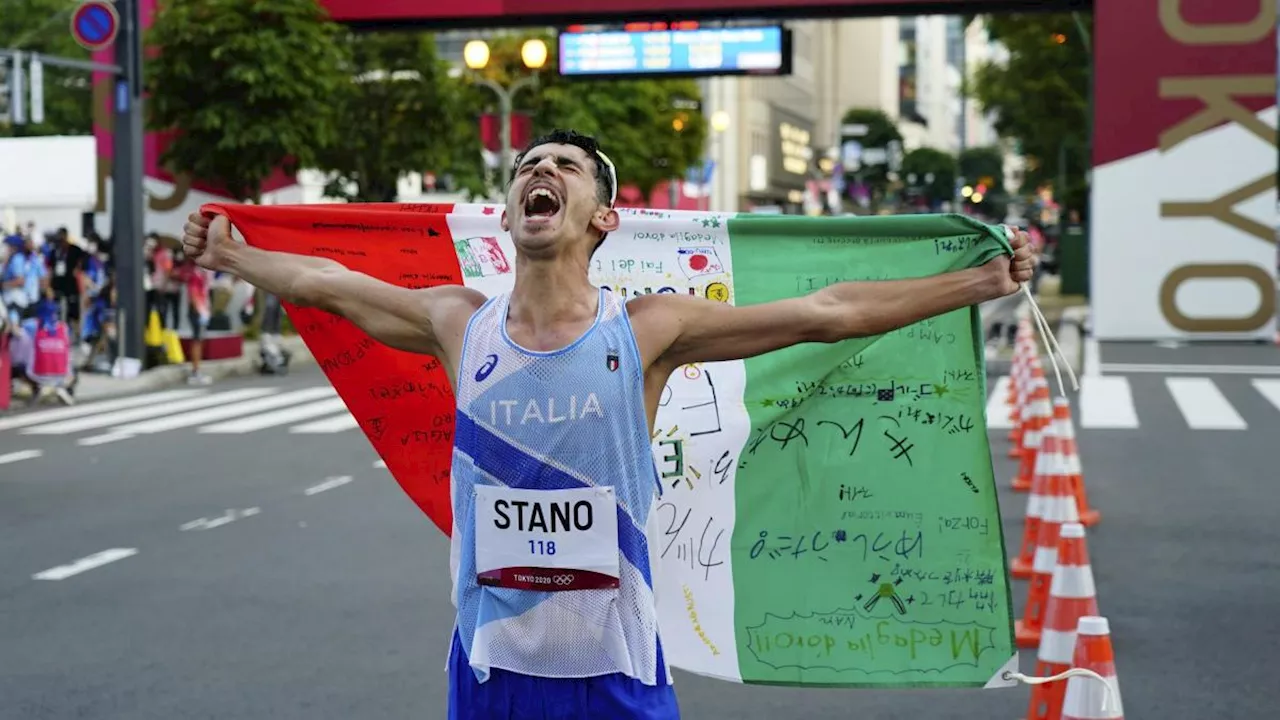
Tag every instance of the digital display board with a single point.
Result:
(704, 51)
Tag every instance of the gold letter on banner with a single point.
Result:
(1221, 209)
(1266, 307)
(1219, 105)
(1241, 33)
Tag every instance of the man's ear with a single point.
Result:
(606, 220)
(505, 226)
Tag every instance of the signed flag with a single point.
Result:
(829, 513)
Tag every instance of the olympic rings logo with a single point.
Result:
(562, 580)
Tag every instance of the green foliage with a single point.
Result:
(43, 26)
(979, 163)
(924, 162)
(250, 84)
(881, 130)
(632, 119)
(399, 112)
(1041, 95)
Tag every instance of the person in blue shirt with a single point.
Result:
(557, 384)
(23, 277)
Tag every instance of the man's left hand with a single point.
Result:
(1012, 272)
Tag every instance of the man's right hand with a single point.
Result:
(206, 238)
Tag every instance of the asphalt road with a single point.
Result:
(305, 585)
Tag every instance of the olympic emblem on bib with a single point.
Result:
(562, 579)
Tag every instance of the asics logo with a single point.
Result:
(562, 579)
(490, 362)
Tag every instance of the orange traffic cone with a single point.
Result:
(1019, 377)
(1059, 507)
(1071, 596)
(1086, 698)
(1038, 415)
(1048, 462)
(1088, 516)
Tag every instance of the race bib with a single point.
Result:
(60, 268)
(548, 540)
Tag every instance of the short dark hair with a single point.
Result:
(604, 186)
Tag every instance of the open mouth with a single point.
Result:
(541, 203)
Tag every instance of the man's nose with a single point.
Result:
(544, 166)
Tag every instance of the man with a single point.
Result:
(66, 276)
(588, 646)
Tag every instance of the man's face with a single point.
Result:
(552, 200)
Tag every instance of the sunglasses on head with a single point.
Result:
(613, 177)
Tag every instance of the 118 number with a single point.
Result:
(542, 547)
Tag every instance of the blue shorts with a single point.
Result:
(511, 696)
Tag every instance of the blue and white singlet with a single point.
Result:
(567, 419)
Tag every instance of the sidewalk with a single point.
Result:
(93, 386)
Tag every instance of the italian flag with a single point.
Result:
(829, 513)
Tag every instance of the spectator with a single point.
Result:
(22, 277)
(196, 280)
(66, 276)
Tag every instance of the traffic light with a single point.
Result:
(4, 89)
(12, 89)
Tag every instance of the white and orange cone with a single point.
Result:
(1048, 462)
(1072, 595)
(1088, 516)
(1059, 508)
(1037, 415)
(1086, 698)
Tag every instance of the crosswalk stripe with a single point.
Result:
(1203, 404)
(223, 412)
(335, 424)
(1106, 402)
(19, 456)
(1270, 390)
(155, 410)
(998, 413)
(279, 417)
(66, 413)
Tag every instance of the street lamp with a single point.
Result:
(534, 55)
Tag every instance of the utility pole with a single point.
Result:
(126, 176)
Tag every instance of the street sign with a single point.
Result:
(94, 24)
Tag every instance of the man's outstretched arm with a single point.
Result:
(419, 321)
(706, 331)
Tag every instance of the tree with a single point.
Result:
(881, 132)
(399, 112)
(934, 173)
(41, 26)
(248, 84)
(638, 122)
(1041, 95)
(984, 167)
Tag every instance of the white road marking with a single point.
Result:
(124, 416)
(96, 560)
(1122, 368)
(335, 424)
(229, 517)
(998, 411)
(104, 439)
(1106, 403)
(1270, 390)
(192, 419)
(1203, 404)
(19, 456)
(1092, 357)
(66, 413)
(329, 484)
(279, 417)
(380, 463)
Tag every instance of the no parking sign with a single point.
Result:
(94, 24)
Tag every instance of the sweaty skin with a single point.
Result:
(553, 301)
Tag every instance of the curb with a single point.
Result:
(170, 375)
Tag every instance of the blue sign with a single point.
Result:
(94, 24)
(713, 51)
